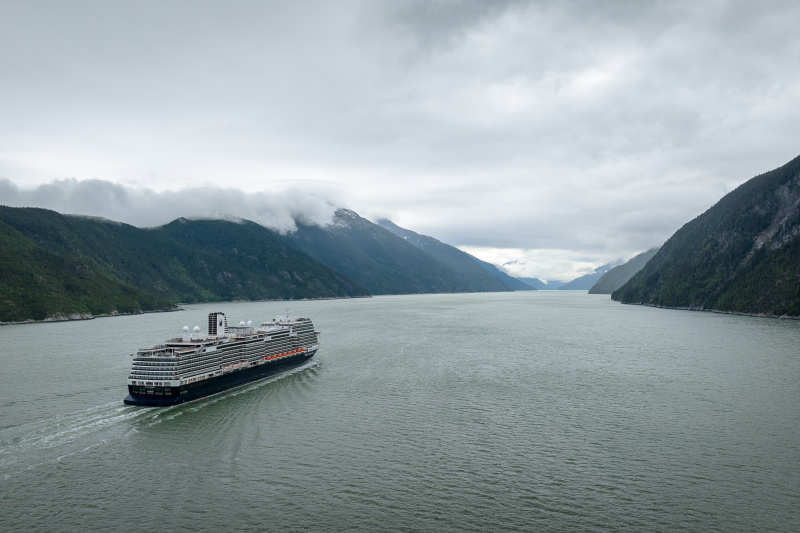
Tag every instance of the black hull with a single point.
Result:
(201, 389)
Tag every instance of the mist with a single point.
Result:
(144, 207)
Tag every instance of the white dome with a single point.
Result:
(196, 329)
(186, 329)
(241, 324)
(249, 322)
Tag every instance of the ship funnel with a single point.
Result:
(217, 324)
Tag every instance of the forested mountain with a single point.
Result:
(584, 283)
(55, 265)
(38, 283)
(620, 274)
(482, 276)
(742, 255)
(376, 258)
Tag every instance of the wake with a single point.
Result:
(40, 442)
(48, 441)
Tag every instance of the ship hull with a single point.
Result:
(193, 391)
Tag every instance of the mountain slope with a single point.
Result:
(741, 255)
(538, 284)
(584, 283)
(247, 261)
(511, 282)
(38, 284)
(620, 274)
(375, 257)
(481, 276)
(95, 266)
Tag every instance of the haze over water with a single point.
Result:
(529, 411)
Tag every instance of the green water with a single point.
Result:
(541, 411)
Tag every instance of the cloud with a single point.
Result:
(593, 127)
(545, 264)
(147, 208)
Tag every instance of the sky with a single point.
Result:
(549, 137)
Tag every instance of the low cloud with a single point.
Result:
(545, 264)
(147, 208)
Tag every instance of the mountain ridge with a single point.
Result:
(742, 255)
(483, 276)
(549, 285)
(586, 282)
(386, 263)
(620, 274)
(63, 265)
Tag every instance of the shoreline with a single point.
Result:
(74, 317)
(717, 311)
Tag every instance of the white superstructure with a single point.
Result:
(194, 358)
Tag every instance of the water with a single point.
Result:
(544, 411)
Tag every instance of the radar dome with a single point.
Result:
(241, 324)
(186, 329)
(196, 329)
(249, 322)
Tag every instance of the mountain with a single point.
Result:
(620, 274)
(376, 258)
(536, 283)
(584, 283)
(742, 255)
(512, 283)
(56, 265)
(38, 284)
(482, 276)
(244, 260)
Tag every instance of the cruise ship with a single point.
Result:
(194, 366)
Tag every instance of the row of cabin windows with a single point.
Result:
(154, 391)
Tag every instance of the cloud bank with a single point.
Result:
(148, 208)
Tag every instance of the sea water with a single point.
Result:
(528, 411)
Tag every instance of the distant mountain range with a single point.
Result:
(481, 275)
(512, 283)
(584, 283)
(620, 274)
(598, 281)
(742, 255)
(62, 266)
(536, 283)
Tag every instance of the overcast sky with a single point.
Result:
(553, 136)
